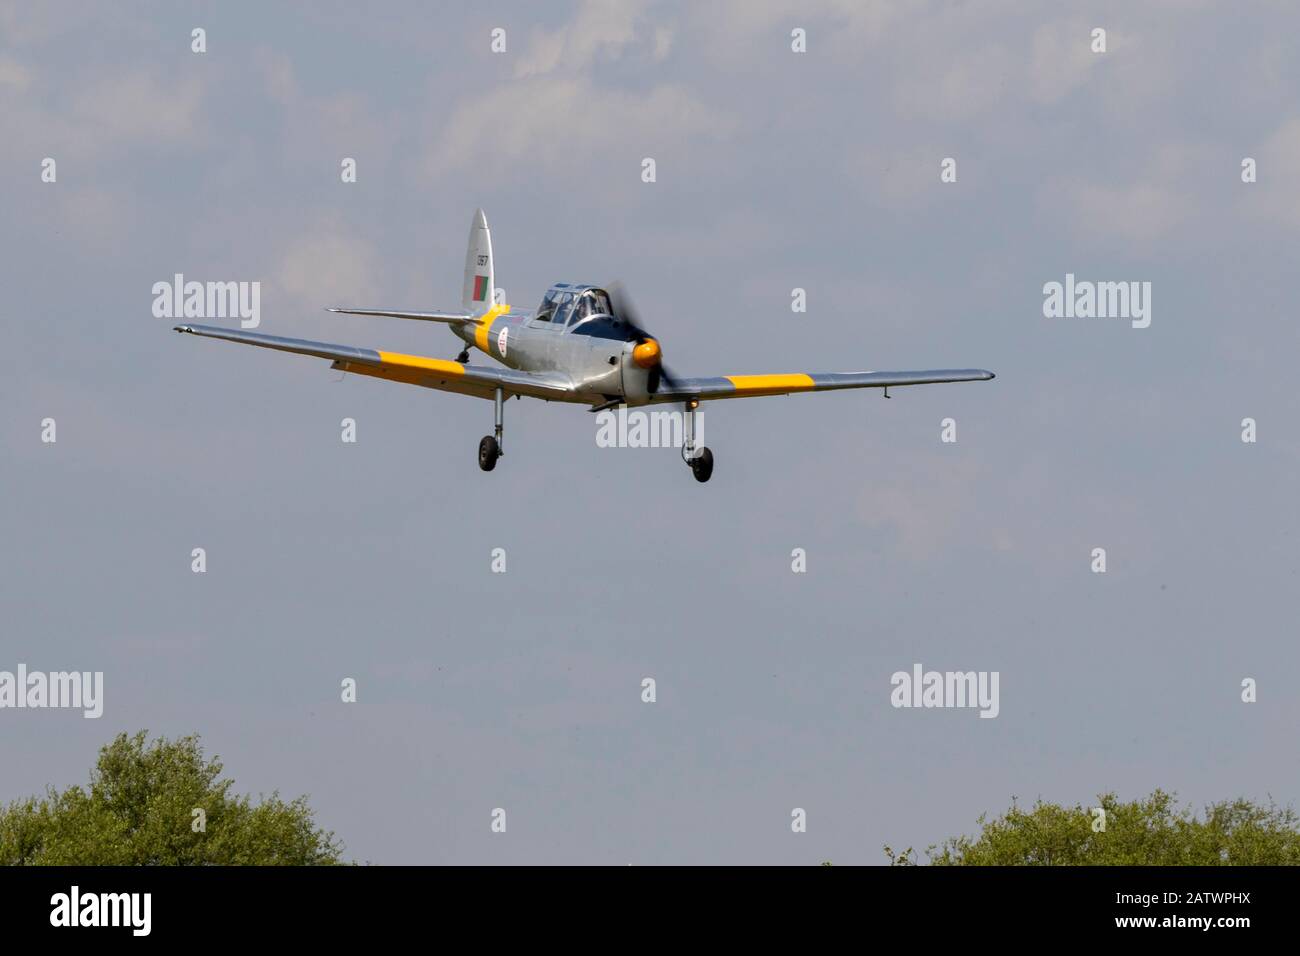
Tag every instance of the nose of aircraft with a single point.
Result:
(647, 354)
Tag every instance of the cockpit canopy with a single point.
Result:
(566, 304)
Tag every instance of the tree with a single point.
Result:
(1150, 832)
(140, 810)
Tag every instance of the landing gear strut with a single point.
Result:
(700, 459)
(489, 449)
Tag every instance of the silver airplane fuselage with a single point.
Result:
(595, 350)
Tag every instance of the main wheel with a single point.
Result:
(702, 465)
(488, 453)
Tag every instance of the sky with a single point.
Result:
(775, 170)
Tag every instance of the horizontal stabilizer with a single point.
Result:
(451, 317)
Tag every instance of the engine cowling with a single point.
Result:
(636, 375)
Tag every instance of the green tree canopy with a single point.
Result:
(1153, 831)
(139, 810)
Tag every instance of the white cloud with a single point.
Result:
(519, 122)
(599, 30)
(50, 115)
(328, 267)
(1275, 196)
(927, 500)
(1141, 212)
(13, 75)
(1144, 210)
(897, 177)
(278, 76)
(139, 105)
(554, 89)
(734, 28)
(1062, 59)
(971, 78)
(95, 216)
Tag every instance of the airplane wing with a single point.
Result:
(479, 380)
(752, 386)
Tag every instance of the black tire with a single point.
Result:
(488, 453)
(702, 465)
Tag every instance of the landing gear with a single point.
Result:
(463, 357)
(700, 459)
(702, 465)
(489, 449)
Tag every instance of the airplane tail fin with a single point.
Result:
(480, 280)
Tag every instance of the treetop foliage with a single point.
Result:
(160, 804)
(1153, 831)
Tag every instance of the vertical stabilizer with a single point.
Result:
(479, 277)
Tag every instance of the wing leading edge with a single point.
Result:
(752, 386)
(477, 380)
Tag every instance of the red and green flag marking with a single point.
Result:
(480, 288)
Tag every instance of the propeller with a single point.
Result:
(647, 354)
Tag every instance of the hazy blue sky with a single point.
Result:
(775, 170)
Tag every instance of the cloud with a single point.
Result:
(554, 89)
(132, 109)
(312, 124)
(1062, 59)
(1139, 212)
(140, 106)
(901, 177)
(599, 30)
(328, 266)
(13, 75)
(569, 123)
(926, 501)
(28, 24)
(278, 77)
(93, 215)
(1163, 199)
(971, 79)
(843, 26)
(1275, 197)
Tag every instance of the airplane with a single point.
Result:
(584, 344)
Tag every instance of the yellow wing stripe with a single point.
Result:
(420, 362)
(771, 383)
